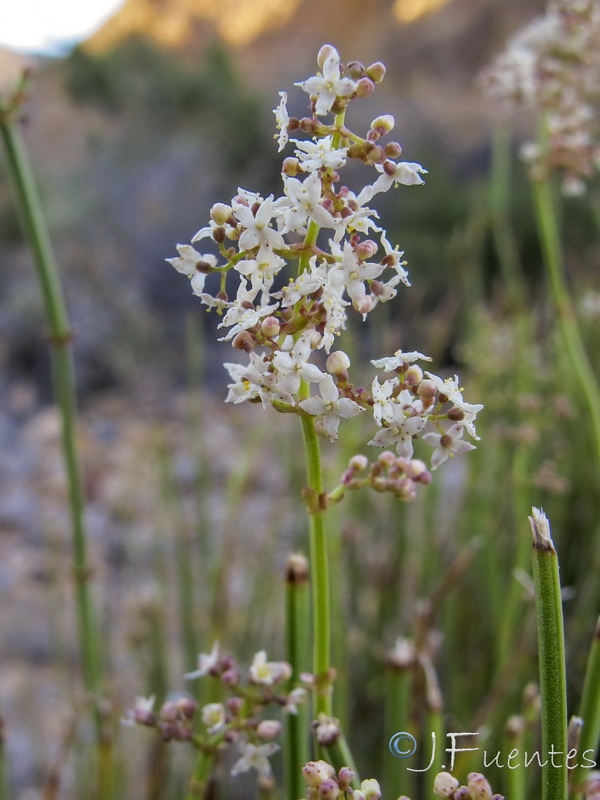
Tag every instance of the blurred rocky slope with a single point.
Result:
(168, 109)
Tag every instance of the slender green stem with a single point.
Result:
(515, 774)
(319, 569)
(565, 314)
(199, 780)
(60, 337)
(551, 654)
(297, 612)
(589, 710)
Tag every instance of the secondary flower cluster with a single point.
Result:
(237, 720)
(288, 324)
(553, 66)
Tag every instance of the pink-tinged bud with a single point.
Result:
(386, 459)
(329, 790)
(327, 730)
(415, 469)
(365, 87)
(183, 733)
(376, 72)
(270, 327)
(169, 711)
(365, 305)
(291, 167)
(244, 341)
(413, 375)
(231, 677)
(268, 729)
(186, 706)
(358, 463)
(479, 786)
(220, 213)
(337, 362)
(315, 772)
(234, 705)
(314, 337)
(462, 793)
(307, 125)
(383, 124)
(444, 784)
(144, 716)
(355, 70)
(392, 149)
(366, 249)
(377, 155)
(345, 778)
(593, 791)
(456, 414)
(427, 390)
(324, 53)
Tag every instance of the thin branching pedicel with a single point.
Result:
(343, 260)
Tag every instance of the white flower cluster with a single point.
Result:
(288, 324)
(553, 66)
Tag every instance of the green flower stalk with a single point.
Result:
(589, 739)
(60, 338)
(551, 653)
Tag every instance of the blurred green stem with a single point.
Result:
(565, 313)
(589, 710)
(551, 656)
(60, 338)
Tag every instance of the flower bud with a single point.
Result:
(392, 149)
(219, 235)
(327, 730)
(426, 390)
(186, 706)
(366, 249)
(462, 793)
(268, 729)
(371, 789)
(220, 213)
(291, 167)
(231, 677)
(270, 327)
(593, 791)
(387, 459)
(456, 414)
(337, 362)
(479, 786)
(234, 705)
(358, 463)
(345, 778)
(413, 375)
(365, 87)
(376, 72)
(383, 124)
(169, 711)
(328, 790)
(244, 341)
(444, 784)
(324, 53)
(315, 772)
(355, 70)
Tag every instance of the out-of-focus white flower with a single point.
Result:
(255, 757)
(207, 662)
(268, 672)
(213, 716)
(142, 713)
(282, 120)
(295, 698)
(447, 444)
(326, 88)
(330, 407)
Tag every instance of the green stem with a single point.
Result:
(551, 654)
(515, 774)
(590, 710)
(199, 780)
(565, 314)
(297, 612)
(319, 569)
(60, 337)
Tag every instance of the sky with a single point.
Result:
(50, 26)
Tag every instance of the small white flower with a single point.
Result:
(255, 757)
(193, 264)
(306, 283)
(326, 88)
(399, 432)
(320, 154)
(305, 204)
(447, 444)
(293, 367)
(282, 120)
(262, 269)
(142, 711)
(213, 716)
(258, 229)
(329, 408)
(266, 672)
(449, 387)
(206, 663)
(399, 359)
(383, 407)
(295, 698)
(405, 172)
